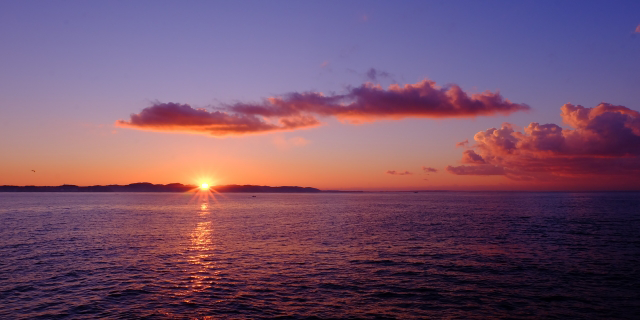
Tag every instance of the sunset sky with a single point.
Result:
(354, 95)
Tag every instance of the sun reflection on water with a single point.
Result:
(203, 195)
(201, 248)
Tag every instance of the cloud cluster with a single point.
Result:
(603, 140)
(293, 111)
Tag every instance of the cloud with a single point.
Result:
(374, 74)
(470, 156)
(638, 29)
(174, 117)
(464, 143)
(480, 170)
(604, 140)
(429, 170)
(399, 173)
(293, 111)
(370, 102)
(324, 64)
(284, 143)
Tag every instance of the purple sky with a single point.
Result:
(71, 69)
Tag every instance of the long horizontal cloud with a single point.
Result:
(293, 111)
(483, 170)
(604, 140)
(370, 102)
(183, 118)
(399, 173)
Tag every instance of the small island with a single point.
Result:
(149, 187)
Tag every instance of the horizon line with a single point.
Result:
(193, 186)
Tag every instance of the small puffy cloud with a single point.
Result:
(463, 144)
(604, 140)
(429, 169)
(324, 64)
(301, 110)
(399, 173)
(374, 74)
(638, 29)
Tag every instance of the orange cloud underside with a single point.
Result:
(294, 111)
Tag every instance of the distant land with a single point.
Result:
(149, 187)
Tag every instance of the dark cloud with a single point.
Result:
(429, 170)
(293, 111)
(374, 74)
(399, 173)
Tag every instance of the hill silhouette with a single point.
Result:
(150, 187)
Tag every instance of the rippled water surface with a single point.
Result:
(369, 255)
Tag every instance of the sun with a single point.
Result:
(204, 186)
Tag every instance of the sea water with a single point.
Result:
(329, 255)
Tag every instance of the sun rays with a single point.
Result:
(203, 194)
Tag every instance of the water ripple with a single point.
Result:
(313, 256)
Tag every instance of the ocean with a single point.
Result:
(454, 255)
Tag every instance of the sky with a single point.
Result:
(350, 95)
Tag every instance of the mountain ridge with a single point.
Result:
(150, 187)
